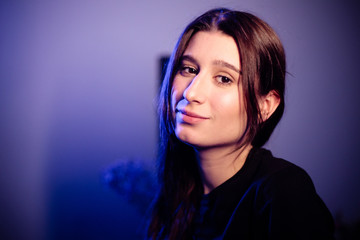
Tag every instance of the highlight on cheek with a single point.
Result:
(174, 99)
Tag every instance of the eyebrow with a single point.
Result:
(215, 62)
(189, 58)
(227, 65)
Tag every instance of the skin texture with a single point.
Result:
(206, 86)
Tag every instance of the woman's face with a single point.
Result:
(207, 101)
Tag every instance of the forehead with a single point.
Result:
(207, 46)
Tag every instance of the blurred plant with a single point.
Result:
(132, 180)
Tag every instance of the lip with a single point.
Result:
(189, 117)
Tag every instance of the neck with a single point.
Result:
(219, 164)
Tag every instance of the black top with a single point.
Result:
(269, 198)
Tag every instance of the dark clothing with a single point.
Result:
(269, 198)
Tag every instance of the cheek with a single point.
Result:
(228, 104)
(176, 92)
(231, 113)
(173, 100)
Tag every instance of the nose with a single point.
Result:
(196, 90)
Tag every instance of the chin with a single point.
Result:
(195, 143)
(188, 139)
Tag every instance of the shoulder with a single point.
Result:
(270, 166)
(281, 181)
(287, 198)
(274, 172)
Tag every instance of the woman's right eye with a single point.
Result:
(188, 70)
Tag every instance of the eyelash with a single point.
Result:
(222, 78)
(184, 70)
(187, 71)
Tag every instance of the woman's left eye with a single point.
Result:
(223, 80)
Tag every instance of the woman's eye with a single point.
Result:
(223, 80)
(187, 70)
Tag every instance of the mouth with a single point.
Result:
(188, 117)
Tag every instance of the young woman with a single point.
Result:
(222, 96)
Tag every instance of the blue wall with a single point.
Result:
(78, 83)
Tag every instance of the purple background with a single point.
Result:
(78, 85)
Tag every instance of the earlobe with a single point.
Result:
(268, 104)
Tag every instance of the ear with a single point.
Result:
(268, 104)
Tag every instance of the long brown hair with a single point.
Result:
(263, 70)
